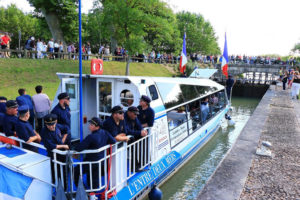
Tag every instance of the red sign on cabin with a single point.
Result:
(97, 66)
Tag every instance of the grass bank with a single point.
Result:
(27, 73)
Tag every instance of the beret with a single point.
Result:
(11, 104)
(23, 109)
(50, 119)
(116, 109)
(96, 121)
(63, 95)
(133, 109)
(146, 99)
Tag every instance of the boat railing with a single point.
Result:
(118, 163)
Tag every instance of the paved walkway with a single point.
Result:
(244, 175)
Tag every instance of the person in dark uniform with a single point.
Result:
(115, 124)
(62, 110)
(55, 136)
(134, 127)
(229, 84)
(24, 129)
(2, 104)
(10, 118)
(146, 113)
(97, 139)
(25, 99)
(1, 121)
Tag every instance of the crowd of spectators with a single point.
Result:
(54, 49)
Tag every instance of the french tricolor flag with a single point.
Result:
(183, 57)
(224, 65)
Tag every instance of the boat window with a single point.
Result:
(174, 94)
(105, 100)
(177, 120)
(194, 115)
(171, 94)
(70, 89)
(126, 98)
(153, 92)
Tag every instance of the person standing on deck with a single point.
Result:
(229, 84)
(146, 113)
(115, 124)
(10, 119)
(97, 139)
(24, 129)
(134, 127)
(25, 99)
(42, 105)
(62, 110)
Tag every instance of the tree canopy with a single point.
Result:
(200, 34)
(138, 25)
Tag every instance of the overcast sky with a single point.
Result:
(253, 26)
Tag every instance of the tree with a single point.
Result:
(200, 34)
(296, 48)
(13, 20)
(138, 24)
(61, 17)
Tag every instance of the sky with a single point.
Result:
(253, 27)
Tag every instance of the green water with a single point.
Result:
(191, 178)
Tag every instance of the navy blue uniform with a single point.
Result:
(134, 127)
(1, 121)
(24, 131)
(53, 138)
(2, 108)
(229, 84)
(9, 124)
(26, 100)
(95, 140)
(110, 125)
(63, 115)
(146, 116)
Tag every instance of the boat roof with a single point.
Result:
(137, 79)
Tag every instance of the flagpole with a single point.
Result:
(80, 74)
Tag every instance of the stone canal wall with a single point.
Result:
(244, 175)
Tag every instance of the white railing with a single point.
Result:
(119, 163)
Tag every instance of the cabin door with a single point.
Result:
(105, 98)
(126, 94)
(70, 85)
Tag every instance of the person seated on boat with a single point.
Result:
(97, 139)
(146, 113)
(54, 136)
(2, 104)
(204, 109)
(10, 119)
(25, 99)
(1, 121)
(25, 130)
(62, 110)
(115, 124)
(134, 127)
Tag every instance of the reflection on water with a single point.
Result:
(190, 179)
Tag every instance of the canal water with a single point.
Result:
(191, 178)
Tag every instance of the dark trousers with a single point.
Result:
(86, 170)
(40, 125)
(283, 84)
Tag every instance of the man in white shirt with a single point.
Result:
(41, 106)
